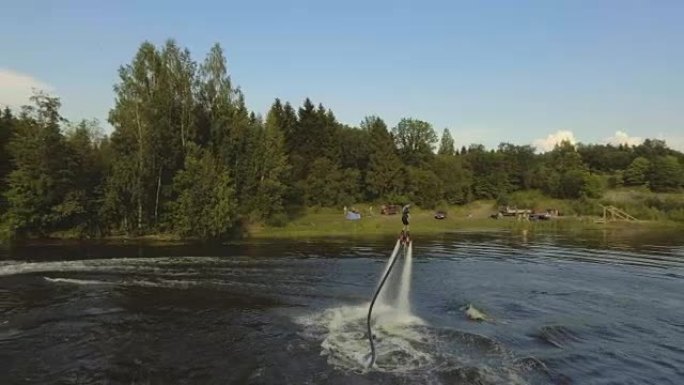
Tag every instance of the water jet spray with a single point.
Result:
(403, 246)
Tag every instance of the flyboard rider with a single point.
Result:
(405, 220)
(405, 242)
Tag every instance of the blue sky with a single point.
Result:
(490, 71)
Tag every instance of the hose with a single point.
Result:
(393, 260)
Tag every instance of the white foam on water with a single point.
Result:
(76, 281)
(159, 283)
(345, 340)
(343, 330)
(152, 265)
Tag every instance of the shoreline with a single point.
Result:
(324, 225)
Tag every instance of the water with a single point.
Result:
(404, 302)
(581, 308)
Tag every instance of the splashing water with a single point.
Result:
(403, 303)
(396, 291)
(407, 346)
(413, 351)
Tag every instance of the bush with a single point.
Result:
(394, 198)
(593, 186)
(503, 199)
(6, 234)
(277, 220)
(677, 215)
(584, 206)
(614, 180)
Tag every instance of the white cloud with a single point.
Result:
(621, 137)
(16, 88)
(548, 143)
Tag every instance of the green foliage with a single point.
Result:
(565, 157)
(328, 185)
(615, 180)
(456, 179)
(446, 144)
(489, 170)
(605, 158)
(83, 202)
(7, 123)
(415, 140)
(637, 172)
(206, 206)
(270, 169)
(313, 136)
(424, 188)
(646, 205)
(355, 148)
(187, 155)
(385, 176)
(574, 184)
(666, 174)
(592, 187)
(38, 187)
(518, 163)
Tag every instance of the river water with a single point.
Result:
(580, 308)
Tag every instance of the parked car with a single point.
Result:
(440, 215)
(389, 209)
(540, 217)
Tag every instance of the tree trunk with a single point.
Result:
(182, 134)
(140, 164)
(156, 203)
(183, 114)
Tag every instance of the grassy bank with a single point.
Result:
(654, 211)
(320, 222)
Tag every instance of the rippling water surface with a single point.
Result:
(586, 308)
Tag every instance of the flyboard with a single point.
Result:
(403, 247)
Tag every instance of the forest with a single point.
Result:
(186, 156)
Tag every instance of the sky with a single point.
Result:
(524, 72)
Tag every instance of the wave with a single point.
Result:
(76, 281)
(125, 265)
(409, 347)
(557, 335)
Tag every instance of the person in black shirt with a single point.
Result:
(405, 217)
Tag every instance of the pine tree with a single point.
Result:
(206, 206)
(40, 181)
(304, 144)
(273, 167)
(446, 145)
(7, 123)
(83, 200)
(385, 170)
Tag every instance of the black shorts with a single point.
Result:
(404, 220)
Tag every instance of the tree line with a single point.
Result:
(187, 156)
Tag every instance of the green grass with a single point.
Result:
(647, 205)
(326, 222)
(654, 211)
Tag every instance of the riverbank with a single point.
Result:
(330, 223)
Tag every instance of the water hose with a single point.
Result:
(393, 260)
